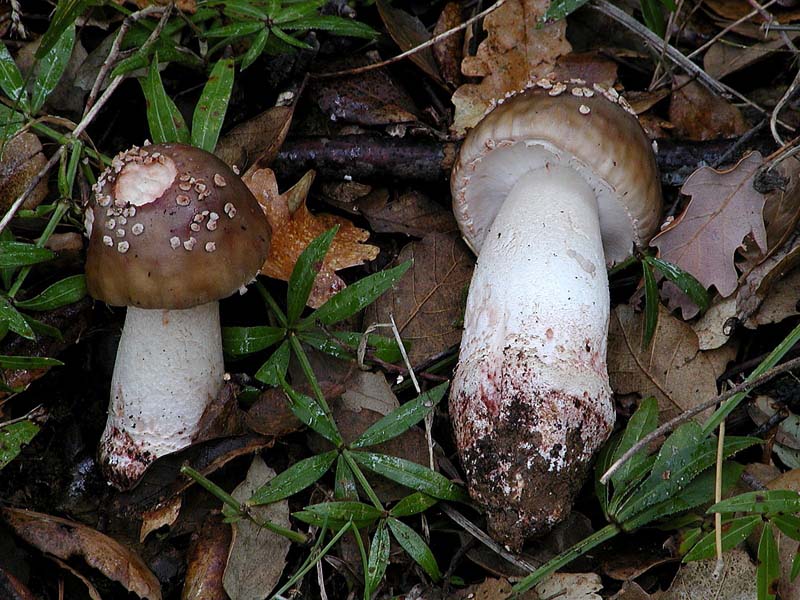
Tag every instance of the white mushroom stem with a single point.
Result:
(169, 368)
(531, 395)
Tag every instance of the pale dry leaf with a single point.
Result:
(632, 591)
(491, 589)
(66, 539)
(724, 209)
(163, 514)
(409, 32)
(257, 556)
(517, 50)
(571, 586)
(428, 303)
(255, 143)
(782, 302)
(205, 562)
(294, 227)
(21, 159)
(696, 580)
(699, 114)
(714, 328)
(672, 368)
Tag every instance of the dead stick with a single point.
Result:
(745, 386)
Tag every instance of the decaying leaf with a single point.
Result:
(725, 208)
(409, 32)
(699, 114)
(294, 227)
(21, 159)
(162, 515)
(90, 589)
(428, 303)
(255, 143)
(257, 556)
(12, 588)
(448, 52)
(205, 563)
(723, 58)
(696, 580)
(589, 66)
(65, 539)
(672, 368)
(516, 51)
(412, 213)
(781, 303)
(571, 586)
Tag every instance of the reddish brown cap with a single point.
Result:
(171, 226)
(585, 127)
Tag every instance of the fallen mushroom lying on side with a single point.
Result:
(553, 186)
(171, 231)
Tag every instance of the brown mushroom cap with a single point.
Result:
(583, 127)
(171, 226)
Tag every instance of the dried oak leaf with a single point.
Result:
(257, 556)
(294, 227)
(428, 303)
(65, 539)
(699, 114)
(516, 51)
(672, 368)
(724, 209)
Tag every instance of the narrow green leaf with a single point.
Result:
(67, 12)
(285, 37)
(411, 475)
(413, 504)
(305, 272)
(769, 565)
(651, 14)
(335, 25)
(20, 254)
(795, 567)
(334, 513)
(51, 67)
(14, 320)
(255, 49)
(643, 421)
(40, 328)
(685, 281)
(788, 524)
(234, 30)
(762, 502)
(27, 362)
(13, 437)
(378, 559)
(415, 546)
(604, 461)
(165, 120)
(294, 479)
(344, 487)
(68, 290)
(346, 343)
(560, 9)
(273, 371)
(734, 532)
(240, 341)
(402, 418)
(310, 413)
(241, 8)
(651, 303)
(11, 121)
(209, 113)
(299, 10)
(11, 81)
(355, 297)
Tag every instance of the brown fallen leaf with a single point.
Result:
(163, 515)
(21, 159)
(205, 563)
(255, 143)
(734, 10)
(65, 539)
(90, 589)
(517, 50)
(409, 32)
(723, 210)
(413, 213)
(781, 303)
(448, 52)
(672, 368)
(632, 591)
(722, 58)
(699, 114)
(592, 67)
(696, 580)
(257, 556)
(428, 303)
(294, 227)
(12, 588)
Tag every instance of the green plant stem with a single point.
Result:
(55, 219)
(579, 549)
(66, 140)
(305, 365)
(267, 297)
(229, 500)
(364, 560)
(310, 565)
(362, 480)
(770, 361)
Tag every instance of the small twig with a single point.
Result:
(484, 539)
(745, 386)
(727, 29)
(655, 42)
(434, 40)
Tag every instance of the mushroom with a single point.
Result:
(550, 188)
(171, 231)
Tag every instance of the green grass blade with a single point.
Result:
(209, 114)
